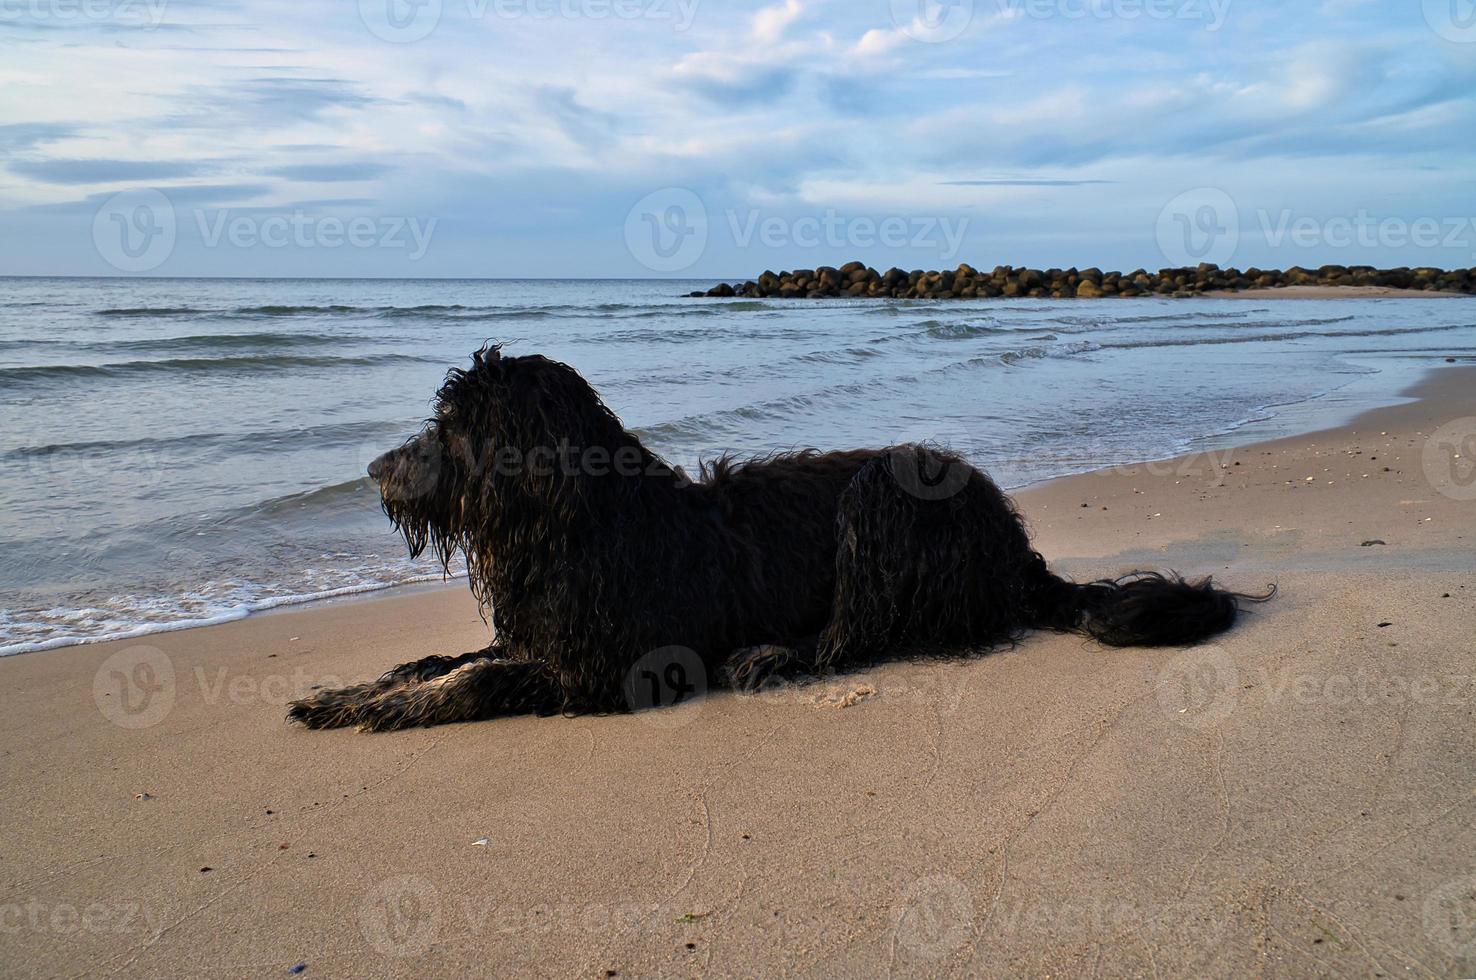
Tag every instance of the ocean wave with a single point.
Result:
(227, 341)
(1264, 338)
(844, 355)
(1041, 353)
(940, 330)
(153, 311)
(267, 440)
(18, 376)
(319, 500)
(290, 311)
(151, 617)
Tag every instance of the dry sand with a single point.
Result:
(1295, 799)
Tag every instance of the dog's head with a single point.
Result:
(511, 440)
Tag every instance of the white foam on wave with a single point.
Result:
(105, 632)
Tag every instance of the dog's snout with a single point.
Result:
(377, 468)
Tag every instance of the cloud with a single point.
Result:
(330, 172)
(770, 23)
(274, 101)
(788, 104)
(1022, 182)
(107, 171)
(586, 127)
(736, 79)
(25, 136)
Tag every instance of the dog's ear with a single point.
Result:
(489, 356)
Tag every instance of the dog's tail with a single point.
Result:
(1145, 609)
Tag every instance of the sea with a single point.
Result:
(180, 452)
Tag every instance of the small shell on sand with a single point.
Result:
(839, 698)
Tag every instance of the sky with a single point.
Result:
(707, 138)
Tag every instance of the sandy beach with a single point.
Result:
(1298, 798)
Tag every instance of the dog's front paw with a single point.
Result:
(752, 669)
(328, 709)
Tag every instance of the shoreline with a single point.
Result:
(1296, 797)
(1371, 401)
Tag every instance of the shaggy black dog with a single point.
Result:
(613, 582)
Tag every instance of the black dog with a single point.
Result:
(613, 582)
